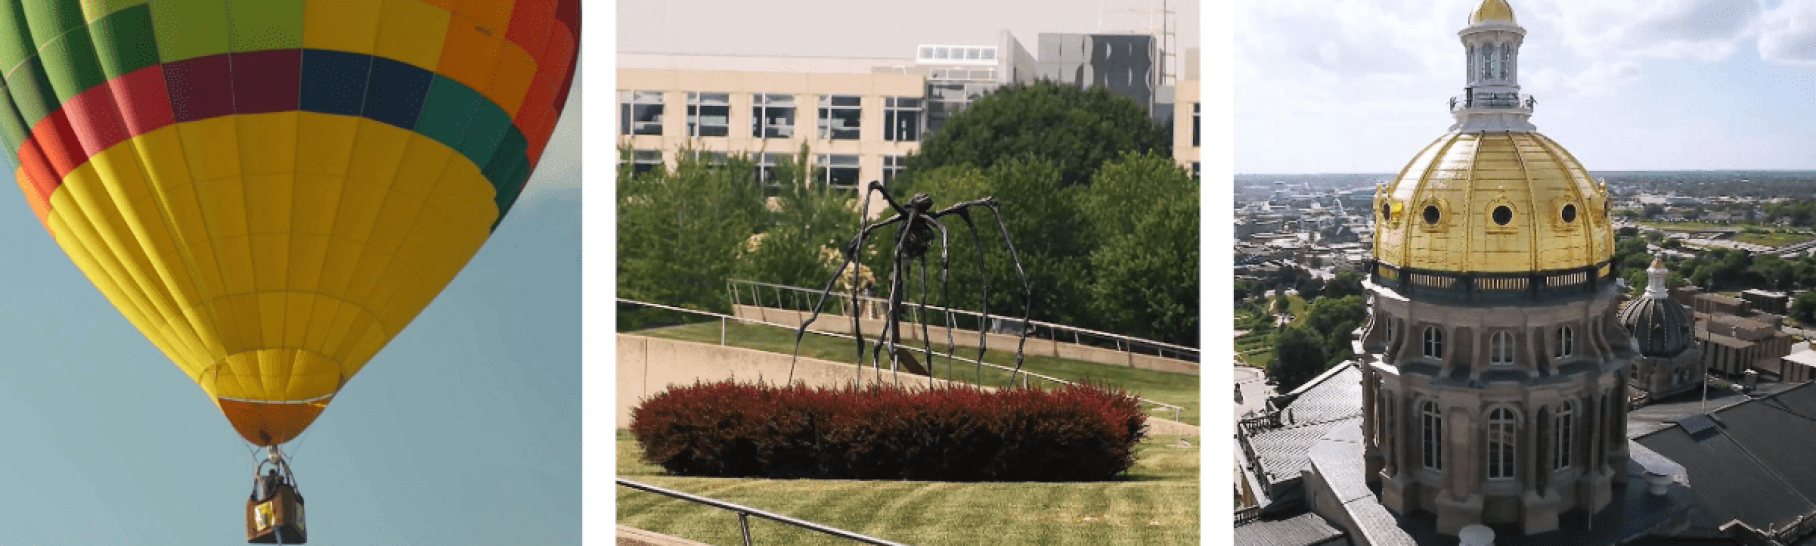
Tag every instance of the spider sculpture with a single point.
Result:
(915, 223)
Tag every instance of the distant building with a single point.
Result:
(1767, 301)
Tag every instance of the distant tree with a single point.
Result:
(1309, 287)
(1049, 231)
(1248, 289)
(1301, 358)
(1076, 130)
(1336, 319)
(1143, 210)
(807, 221)
(679, 233)
(1803, 308)
(1344, 283)
(1653, 211)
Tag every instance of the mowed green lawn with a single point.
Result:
(1156, 504)
(1173, 388)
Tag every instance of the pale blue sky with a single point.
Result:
(464, 430)
(1361, 85)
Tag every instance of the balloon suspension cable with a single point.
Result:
(276, 460)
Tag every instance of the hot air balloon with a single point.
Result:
(270, 190)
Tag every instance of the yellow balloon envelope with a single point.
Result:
(271, 189)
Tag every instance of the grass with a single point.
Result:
(1773, 238)
(1156, 504)
(1260, 359)
(1173, 388)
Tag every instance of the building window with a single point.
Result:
(1500, 348)
(1500, 444)
(892, 165)
(1434, 342)
(1431, 428)
(640, 112)
(839, 117)
(643, 161)
(767, 163)
(1195, 124)
(1195, 174)
(1566, 342)
(711, 159)
(946, 99)
(901, 119)
(1560, 456)
(838, 170)
(1506, 60)
(772, 115)
(1488, 62)
(708, 114)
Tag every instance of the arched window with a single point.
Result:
(1434, 342)
(1500, 444)
(1506, 60)
(1500, 348)
(1431, 426)
(1566, 342)
(1487, 62)
(1560, 455)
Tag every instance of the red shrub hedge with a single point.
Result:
(1072, 433)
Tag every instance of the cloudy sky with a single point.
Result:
(1340, 86)
(873, 29)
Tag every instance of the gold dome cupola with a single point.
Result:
(1492, 11)
(1493, 207)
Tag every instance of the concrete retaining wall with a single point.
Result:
(968, 338)
(650, 365)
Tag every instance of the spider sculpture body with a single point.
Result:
(916, 224)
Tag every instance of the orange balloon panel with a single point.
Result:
(271, 190)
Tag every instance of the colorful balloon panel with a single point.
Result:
(270, 190)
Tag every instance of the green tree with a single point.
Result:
(1803, 308)
(1336, 319)
(804, 222)
(1143, 210)
(1344, 283)
(679, 233)
(1048, 231)
(1300, 358)
(1076, 130)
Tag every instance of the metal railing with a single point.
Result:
(744, 513)
(724, 319)
(1517, 101)
(795, 298)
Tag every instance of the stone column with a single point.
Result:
(1529, 432)
(1369, 419)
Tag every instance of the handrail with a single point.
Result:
(743, 511)
(723, 317)
(1184, 350)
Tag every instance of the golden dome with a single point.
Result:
(1493, 202)
(1492, 10)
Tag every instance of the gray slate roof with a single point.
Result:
(1303, 529)
(1753, 465)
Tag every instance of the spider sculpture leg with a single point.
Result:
(962, 209)
(946, 301)
(851, 253)
(982, 340)
(892, 329)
